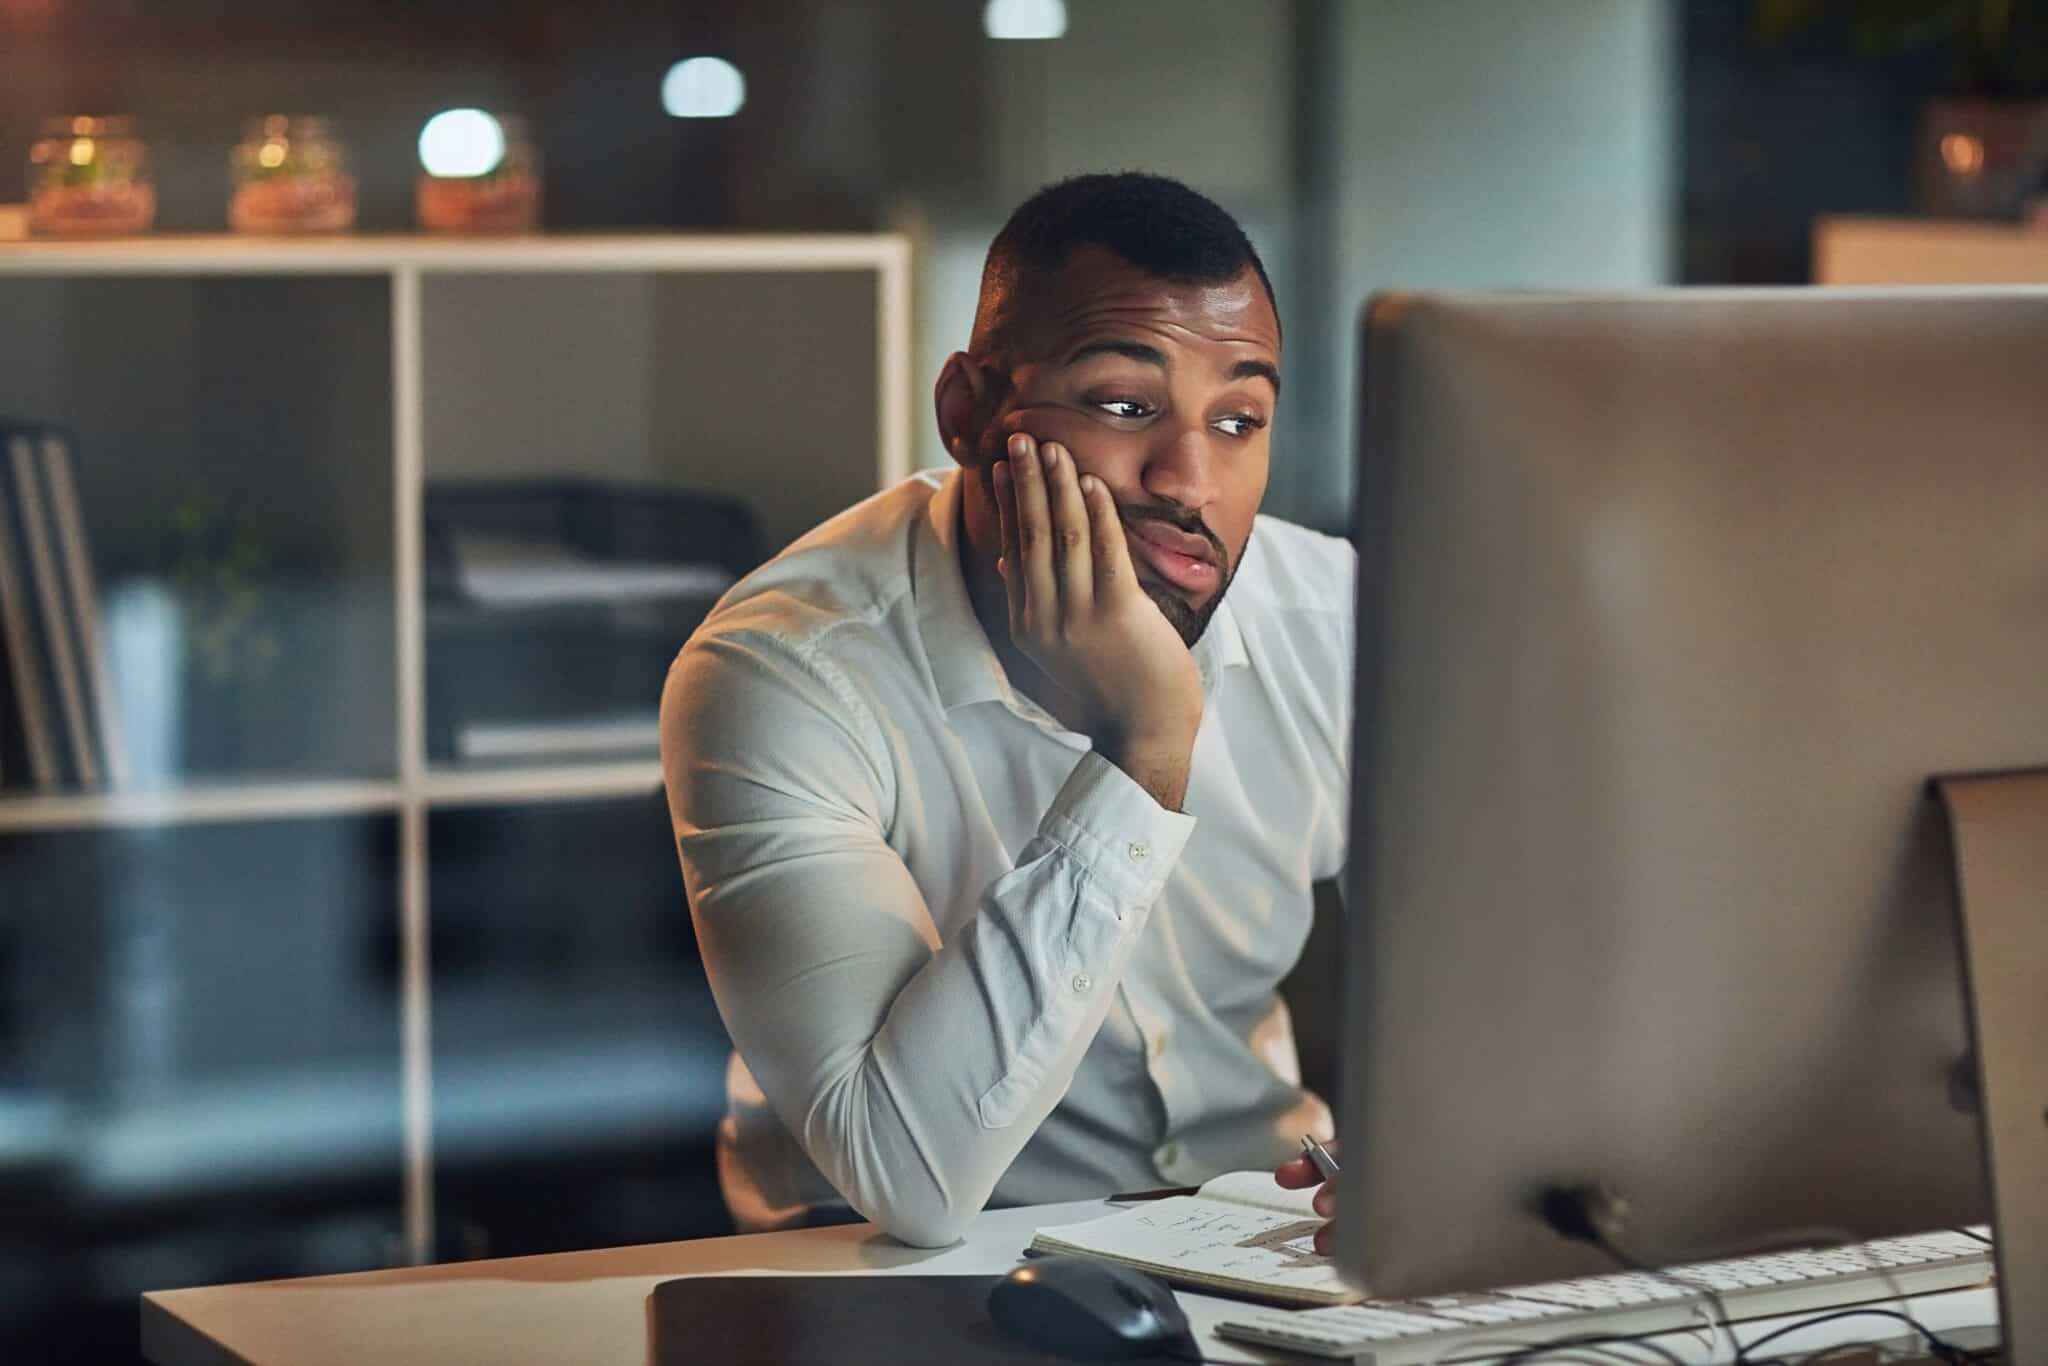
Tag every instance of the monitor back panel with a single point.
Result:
(1669, 606)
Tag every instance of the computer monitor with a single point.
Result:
(1670, 605)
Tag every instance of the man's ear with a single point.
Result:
(963, 400)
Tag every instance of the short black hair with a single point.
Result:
(1157, 224)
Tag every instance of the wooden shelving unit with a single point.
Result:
(343, 373)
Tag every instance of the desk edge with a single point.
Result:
(168, 1340)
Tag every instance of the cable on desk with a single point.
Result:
(1943, 1350)
(1972, 1233)
(1522, 1348)
(1820, 1355)
(1536, 1351)
(1607, 1358)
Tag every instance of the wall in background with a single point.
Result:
(1470, 144)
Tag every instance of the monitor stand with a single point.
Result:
(1998, 829)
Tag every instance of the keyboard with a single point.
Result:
(1495, 1323)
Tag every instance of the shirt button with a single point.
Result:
(1082, 981)
(1158, 1045)
(1168, 1155)
(1140, 851)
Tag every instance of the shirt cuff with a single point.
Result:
(1118, 832)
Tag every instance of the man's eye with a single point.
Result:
(1241, 424)
(1123, 407)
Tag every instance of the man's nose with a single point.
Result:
(1182, 468)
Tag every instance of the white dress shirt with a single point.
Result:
(964, 959)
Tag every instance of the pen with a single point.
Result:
(1318, 1154)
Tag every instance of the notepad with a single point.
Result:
(1241, 1234)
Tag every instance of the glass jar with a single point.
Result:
(290, 174)
(88, 176)
(500, 196)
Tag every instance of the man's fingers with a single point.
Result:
(1325, 1202)
(1297, 1173)
(1006, 512)
(1112, 558)
(1034, 534)
(1072, 561)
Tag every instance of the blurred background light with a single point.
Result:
(461, 142)
(703, 88)
(1024, 18)
(1963, 153)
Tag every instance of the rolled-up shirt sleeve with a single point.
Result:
(911, 1070)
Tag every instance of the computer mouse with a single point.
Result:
(1080, 1308)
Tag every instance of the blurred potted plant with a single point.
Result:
(220, 572)
(1982, 145)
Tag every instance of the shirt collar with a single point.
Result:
(963, 662)
(1222, 644)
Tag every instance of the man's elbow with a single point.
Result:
(922, 1224)
(856, 1136)
(922, 1213)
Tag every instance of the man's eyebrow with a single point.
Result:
(1137, 351)
(1149, 355)
(1258, 369)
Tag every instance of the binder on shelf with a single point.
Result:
(59, 636)
(22, 635)
(83, 586)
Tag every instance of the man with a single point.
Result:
(1000, 795)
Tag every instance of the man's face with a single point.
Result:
(1165, 392)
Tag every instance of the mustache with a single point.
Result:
(1189, 523)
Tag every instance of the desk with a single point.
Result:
(590, 1308)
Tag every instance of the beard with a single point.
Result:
(1191, 621)
(1186, 618)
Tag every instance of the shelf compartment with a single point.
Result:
(575, 1043)
(196, 1017)
(199, 1070)
(232, 439)
(762, 386)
